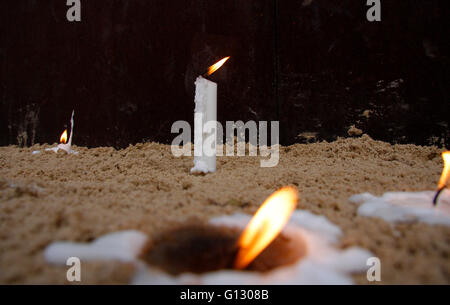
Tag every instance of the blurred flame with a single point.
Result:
(446, 171)
(265, 226)
(63, 138)
(217, 65)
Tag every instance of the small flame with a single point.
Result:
(446, 171)
(265, 226)
(63, 138)
(216, 66)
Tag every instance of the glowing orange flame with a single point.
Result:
(265, 226)
(217, 65)
(446, 171)
(63, 138)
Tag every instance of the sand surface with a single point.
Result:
(48, 197)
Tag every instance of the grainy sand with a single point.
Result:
(49, 197)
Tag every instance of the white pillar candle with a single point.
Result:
(205, 122)
(204, 139)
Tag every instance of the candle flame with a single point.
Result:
(216, 66)
(63, 138)
(265, 225)
(446, 171)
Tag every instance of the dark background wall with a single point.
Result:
(128, 68)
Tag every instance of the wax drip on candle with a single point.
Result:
(67, 147)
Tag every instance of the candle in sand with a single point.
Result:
(205, 119)
(65, 145)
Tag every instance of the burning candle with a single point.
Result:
(320, 262)
(64, 145)
(428, 206)
(443, 181)
(205, 118)
(265, 226)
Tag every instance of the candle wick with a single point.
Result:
(439, 191)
